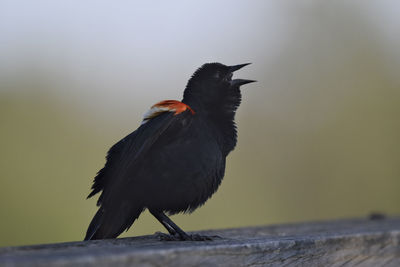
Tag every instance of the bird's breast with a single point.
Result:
(185, 171)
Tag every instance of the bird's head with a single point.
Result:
(212, 87)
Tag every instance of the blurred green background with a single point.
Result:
(318, 134)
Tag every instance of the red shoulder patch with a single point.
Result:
(173, 106)
(166, 106)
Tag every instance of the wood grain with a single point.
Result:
(358, 242)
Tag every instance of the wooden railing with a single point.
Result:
(361, 242)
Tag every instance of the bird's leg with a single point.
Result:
(175, 231)
(170, 229)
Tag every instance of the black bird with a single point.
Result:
(174, 161)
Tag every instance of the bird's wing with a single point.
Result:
(113, 157)
(133, 147)
(117, 211)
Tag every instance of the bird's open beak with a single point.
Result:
(237, 67)
(239, 82)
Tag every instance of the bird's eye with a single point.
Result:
(228, 77)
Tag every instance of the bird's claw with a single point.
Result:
(167, 237)
(197, 237)
(177, 237)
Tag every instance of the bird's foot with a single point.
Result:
(186, 237)
(167, 237)
(197, 237)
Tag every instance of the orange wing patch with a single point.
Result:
(173, 105)
(166, 106)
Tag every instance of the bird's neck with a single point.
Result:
(221, 118)
(226, 129)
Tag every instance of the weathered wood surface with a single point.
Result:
(335, 243)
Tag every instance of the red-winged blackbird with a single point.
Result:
(175, 160)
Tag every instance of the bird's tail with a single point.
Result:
(110, 225)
